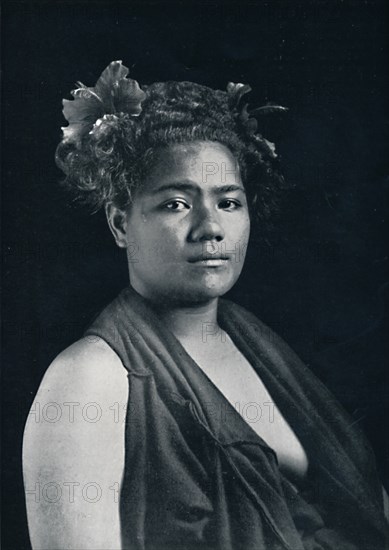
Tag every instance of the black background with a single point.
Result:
(321, 284)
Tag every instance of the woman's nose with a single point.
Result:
(207, 226)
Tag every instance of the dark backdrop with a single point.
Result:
(321, 284)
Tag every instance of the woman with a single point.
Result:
(163, 445)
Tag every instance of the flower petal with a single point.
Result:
(232, 87)
(268, 110)
(85, 93)
(271, 147)
(236, 92)
(108, 82)
(244, 114)
(73, 133)
(128, 97)
(82, 109)
(251, 125)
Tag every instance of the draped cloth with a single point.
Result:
(197, 476)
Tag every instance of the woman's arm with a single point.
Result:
(386, 503)
(73, 450)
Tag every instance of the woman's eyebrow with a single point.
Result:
(193, 187)
(228, 189)
(176, 186)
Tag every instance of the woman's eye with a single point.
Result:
(176, 205)
(229, 204)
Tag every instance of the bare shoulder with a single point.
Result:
(74, 448)
(81, 394)
(88, 365)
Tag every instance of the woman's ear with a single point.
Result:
(117, 221)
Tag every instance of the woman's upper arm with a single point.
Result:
(73, 450)
(386, 503)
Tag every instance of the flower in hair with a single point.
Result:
(98, 109)
(104, 126)
(249, 119)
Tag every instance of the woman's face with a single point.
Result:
(188, 228)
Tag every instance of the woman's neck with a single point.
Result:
(190, 322)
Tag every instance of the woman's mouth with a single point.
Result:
(210, 262)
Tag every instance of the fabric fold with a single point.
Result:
(194, 480)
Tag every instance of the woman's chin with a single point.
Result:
(200, 293)
(188, 290)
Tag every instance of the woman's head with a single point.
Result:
(107, 158)
(177, 167)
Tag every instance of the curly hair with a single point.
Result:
(111, 167)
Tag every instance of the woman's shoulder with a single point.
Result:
(87, 365)
(80, 388)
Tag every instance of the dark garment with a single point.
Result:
(196, 474)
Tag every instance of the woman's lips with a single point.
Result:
(210, 262)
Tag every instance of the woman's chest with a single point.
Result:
(236, 379)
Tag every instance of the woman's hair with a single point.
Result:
(111, 160)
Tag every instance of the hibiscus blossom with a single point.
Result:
(112, 95)
(248, 119)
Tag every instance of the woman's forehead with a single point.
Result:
(202, 161)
